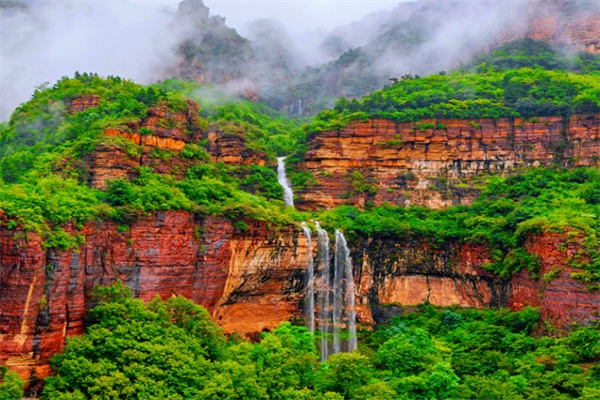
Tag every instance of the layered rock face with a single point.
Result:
(253, 279)
(142, 143)
(437, 163)
(230, 147)
(249, 280)
(393, 273)
(161, 135)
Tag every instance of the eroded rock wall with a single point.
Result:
(250, 280)
(437, 163)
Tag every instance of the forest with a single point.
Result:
(521, 79)
(173, 350)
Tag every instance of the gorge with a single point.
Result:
(251, 279)
(466, 190)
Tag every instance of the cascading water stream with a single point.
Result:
(343, 294)
(288, 195)
(310, 285)
(344, 257)
(340, 290)
(338, 287)
(324, 288)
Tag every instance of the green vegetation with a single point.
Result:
(523, 92)
(44, 186)
(44, 173)
(263, 128)
(530, 53)
(523, 78)
(44, 125)
(11, 386)
(508, 211)
(172, 350)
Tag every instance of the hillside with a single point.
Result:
(423, 38)
(104, 180)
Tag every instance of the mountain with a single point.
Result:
(471, 188)
(104, 180)
(427, 37)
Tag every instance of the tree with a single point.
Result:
(11, 386)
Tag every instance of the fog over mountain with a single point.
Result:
(297, 50)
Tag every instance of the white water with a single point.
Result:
(310, 292)
(324, 289)
(341, 289)
(288, 195)
(343, 294)
(349, 294)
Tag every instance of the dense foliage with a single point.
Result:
(530, 53)
(11, 386)
(264, 129)
(509, 210)
(172, 350)
(44, 177)
(523, 92)
(524, 78)
(44, 186)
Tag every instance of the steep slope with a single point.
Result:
(103, 179)
(437, 163)
(428, 141)
(210, 51)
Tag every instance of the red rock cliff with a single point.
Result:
(249, 280)
(383, 161)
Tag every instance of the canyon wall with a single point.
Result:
(250, 280)
(437, 163)
(392, 273)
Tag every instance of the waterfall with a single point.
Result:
(340, 289)
(324, 288)
(288, 195)
(310, 295)
(343, 294)
(348, 295)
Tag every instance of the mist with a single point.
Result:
(49, 40)
(46, 40)
(42, 41)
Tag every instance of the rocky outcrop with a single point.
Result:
(162, 133)
(562, 299)
(253, 279)
(392, 273)
(227, 144)
(580, 32)
(250, 280)
(83, 103)
(161, 136)
(437, 163)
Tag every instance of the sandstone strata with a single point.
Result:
(249, 280)
(562, 299)
(579, 32)
(161, 135)
(437, 163)
(229, 147)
